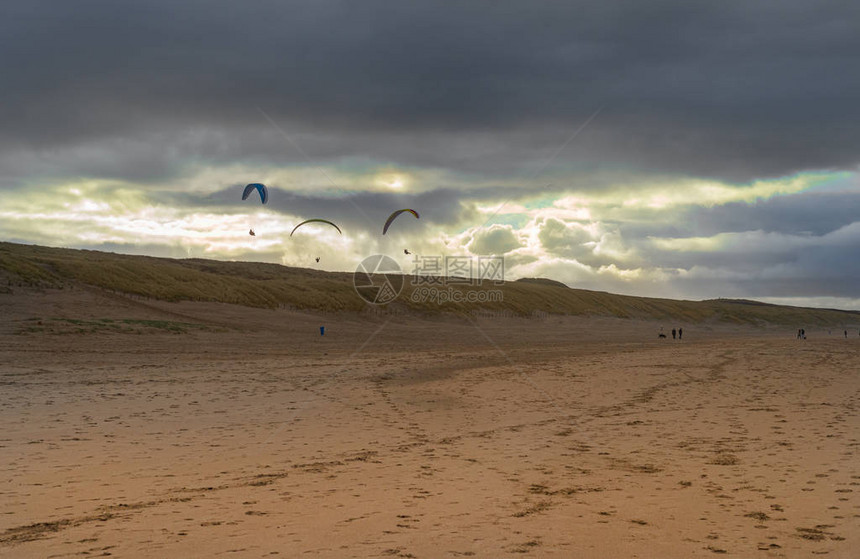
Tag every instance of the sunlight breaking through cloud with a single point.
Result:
(611, 237)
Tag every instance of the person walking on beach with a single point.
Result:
(846, 334)
(674, 332)
(680, 333)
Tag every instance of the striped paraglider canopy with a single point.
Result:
(394, 215)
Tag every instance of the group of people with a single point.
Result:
(801, 333)
(676, 334)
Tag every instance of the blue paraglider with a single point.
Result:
(261, 188)
(264, 197)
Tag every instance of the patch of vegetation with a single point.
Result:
(62, 326)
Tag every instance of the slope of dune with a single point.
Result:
(273, 286)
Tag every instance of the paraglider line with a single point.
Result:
(550, 160)
(305, 155)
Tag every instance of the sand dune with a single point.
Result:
(279, 287)
(141, 429)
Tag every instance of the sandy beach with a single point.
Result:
(153, 429)
(407, 280)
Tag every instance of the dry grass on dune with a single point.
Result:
(243, 283)
(271, 286)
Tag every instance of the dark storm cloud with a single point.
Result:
(788, 287)
(729, 89)
(364, 210)
(812, 213)
(773, 264)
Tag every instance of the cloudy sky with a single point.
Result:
(667, 148)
